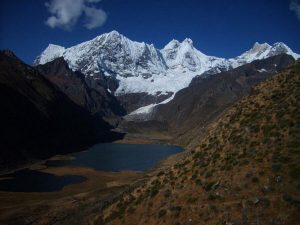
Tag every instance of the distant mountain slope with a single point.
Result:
(194, 107)
(37, 119)
(85, 92)
(140, 68)
(245, 171)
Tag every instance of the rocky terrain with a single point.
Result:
(244, 171)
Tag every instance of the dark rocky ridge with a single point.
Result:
(86, 92)
(37, 119)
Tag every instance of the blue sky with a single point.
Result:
(221, 28)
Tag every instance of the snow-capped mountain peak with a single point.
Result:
(140, 67)
(172, 44)
(184, 57)
(114, 33)
(188, 41)
(50, 53)
(113, 54)
(258, 51)
(257, 47)
(262, 51)
(280, 47)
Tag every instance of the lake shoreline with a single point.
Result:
(99, 187)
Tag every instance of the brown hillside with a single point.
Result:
(245, 171)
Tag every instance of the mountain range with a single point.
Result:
(131, 67)
(110, 77)
(237, 120)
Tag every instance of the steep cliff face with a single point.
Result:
(244, 171)
(90, 94)
(38, 120)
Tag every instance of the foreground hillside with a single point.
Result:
(245, 171)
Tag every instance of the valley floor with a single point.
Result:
(75, 203)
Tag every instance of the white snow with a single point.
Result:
(183, 57)
(50, 53)
(172, 81)
(262, 70)
(262, 51)
(143, 110)
(149, 108)
(140, 67)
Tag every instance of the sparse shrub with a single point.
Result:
(131, 210)
(176, 210)
(116, 214)
(198, 182)
(177, 223)
(228, 167)
(139, 200)
(153, 192)
(295, 172)
(265, 201)
(192, 200)
(216, 155)
(167, 193)
(194, 176)
(208, 174)
(211, 197)
(162, 213)
(160, 173)
(208, 185)
(255, 179)
(276, 166)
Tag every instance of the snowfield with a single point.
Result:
(140, 67)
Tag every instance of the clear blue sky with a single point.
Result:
(221, 28)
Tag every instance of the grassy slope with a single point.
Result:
(245, 171)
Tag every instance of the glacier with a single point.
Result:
(141, 68)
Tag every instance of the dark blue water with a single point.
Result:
(106, 157)
(120, 157)
(35, 181)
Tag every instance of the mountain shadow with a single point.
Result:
(38, 120)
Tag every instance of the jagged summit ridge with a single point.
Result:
(140, 67)
(262, 51)
(50, 53)
(184, 57)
